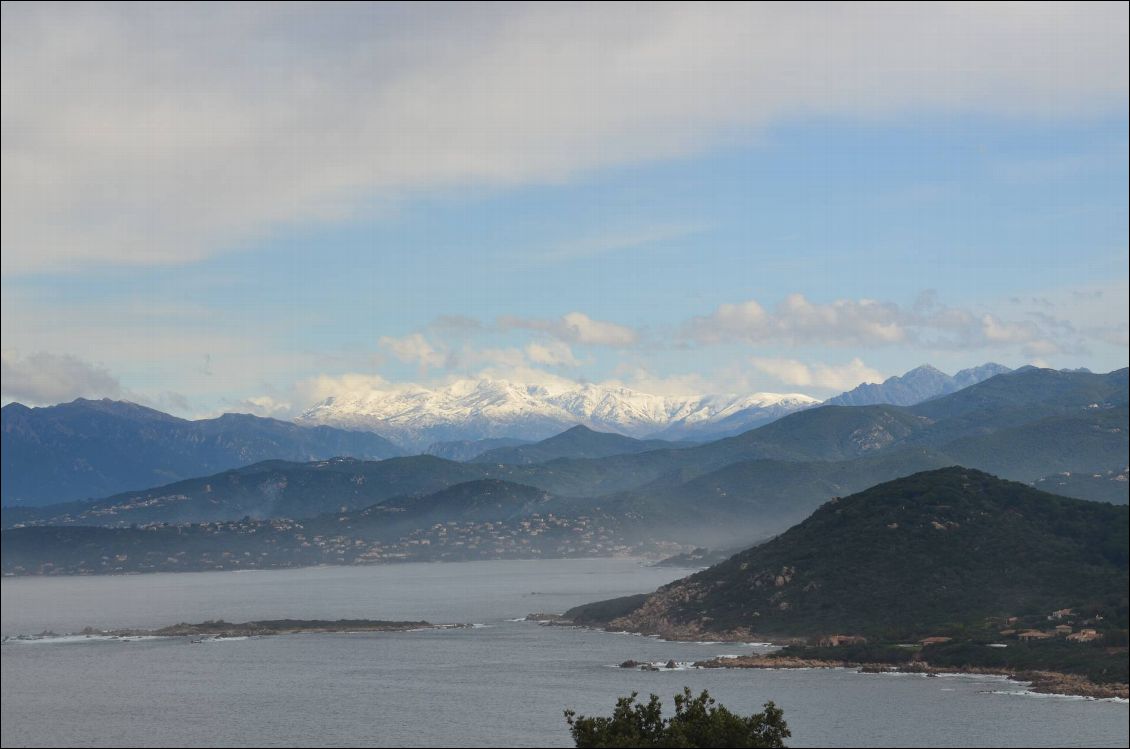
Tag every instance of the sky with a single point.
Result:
(252, 207)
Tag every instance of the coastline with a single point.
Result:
(1041, 682)
(220, 629)
(1038, 681)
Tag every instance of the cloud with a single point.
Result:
(938, 326)
(831, 377)
(577, 328)
(462, 358)
(144, 134)
(316, 389)
(797, 320)
(414, 349)
(265, 405)
(44, 378)
(867, 323)
(996, 330)
(551, 354)
(641, 379)
(159, 344)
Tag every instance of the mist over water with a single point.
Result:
(440, 593)
(504, 683)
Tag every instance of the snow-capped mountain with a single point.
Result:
(416, 416)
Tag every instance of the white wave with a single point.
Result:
(68, 639)
(1024, 692)
(224, 639)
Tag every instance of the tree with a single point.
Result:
(697, 723)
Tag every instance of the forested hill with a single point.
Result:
(935, 551)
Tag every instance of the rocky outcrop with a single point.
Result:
(1043, 682)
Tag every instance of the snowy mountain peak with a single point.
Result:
(416, 416)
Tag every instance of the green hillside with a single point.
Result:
(578, 442)
(936, 552)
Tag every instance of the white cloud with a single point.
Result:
(469, 359)
(797, 320)
(319, 388)
(866, 323)
(159, 345)
(464, 359)
(265, 405)
(581, 328)
(551, 354)
(644, 380)
(825, 376)
(44, 378)
(154, 133)
(577, 328)
(414, 349)
(996, 330)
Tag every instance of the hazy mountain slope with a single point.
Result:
(267, 489)
(1102, 486)
(755, 499)
(96, 448)
(467, 449)
(1012, 398)
(1020, 432)
(578, 442)
(481, 519)
(1087, 441)
(900, 559)
(919, 384)
(828, 433)
(483, 500)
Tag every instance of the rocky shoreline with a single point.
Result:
(1043, 682)
(220, 629)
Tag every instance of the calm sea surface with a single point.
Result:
(503, 683)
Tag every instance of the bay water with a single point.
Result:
(501, 683)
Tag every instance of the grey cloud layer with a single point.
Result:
(927, 324)
(166, 133)
(577, 328)
(861, 324)
(45, 378)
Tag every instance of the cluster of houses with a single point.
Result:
(835, 641)
(1064, 630)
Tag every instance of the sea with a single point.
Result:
(502, 682)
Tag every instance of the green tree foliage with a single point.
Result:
(698, 722)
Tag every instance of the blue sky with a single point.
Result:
(921, 211)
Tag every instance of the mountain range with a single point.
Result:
(415, 416)
(918, 385)
(578, 442)
(1028, 425)
(469, 410)
(468, 449)
(94, 448)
